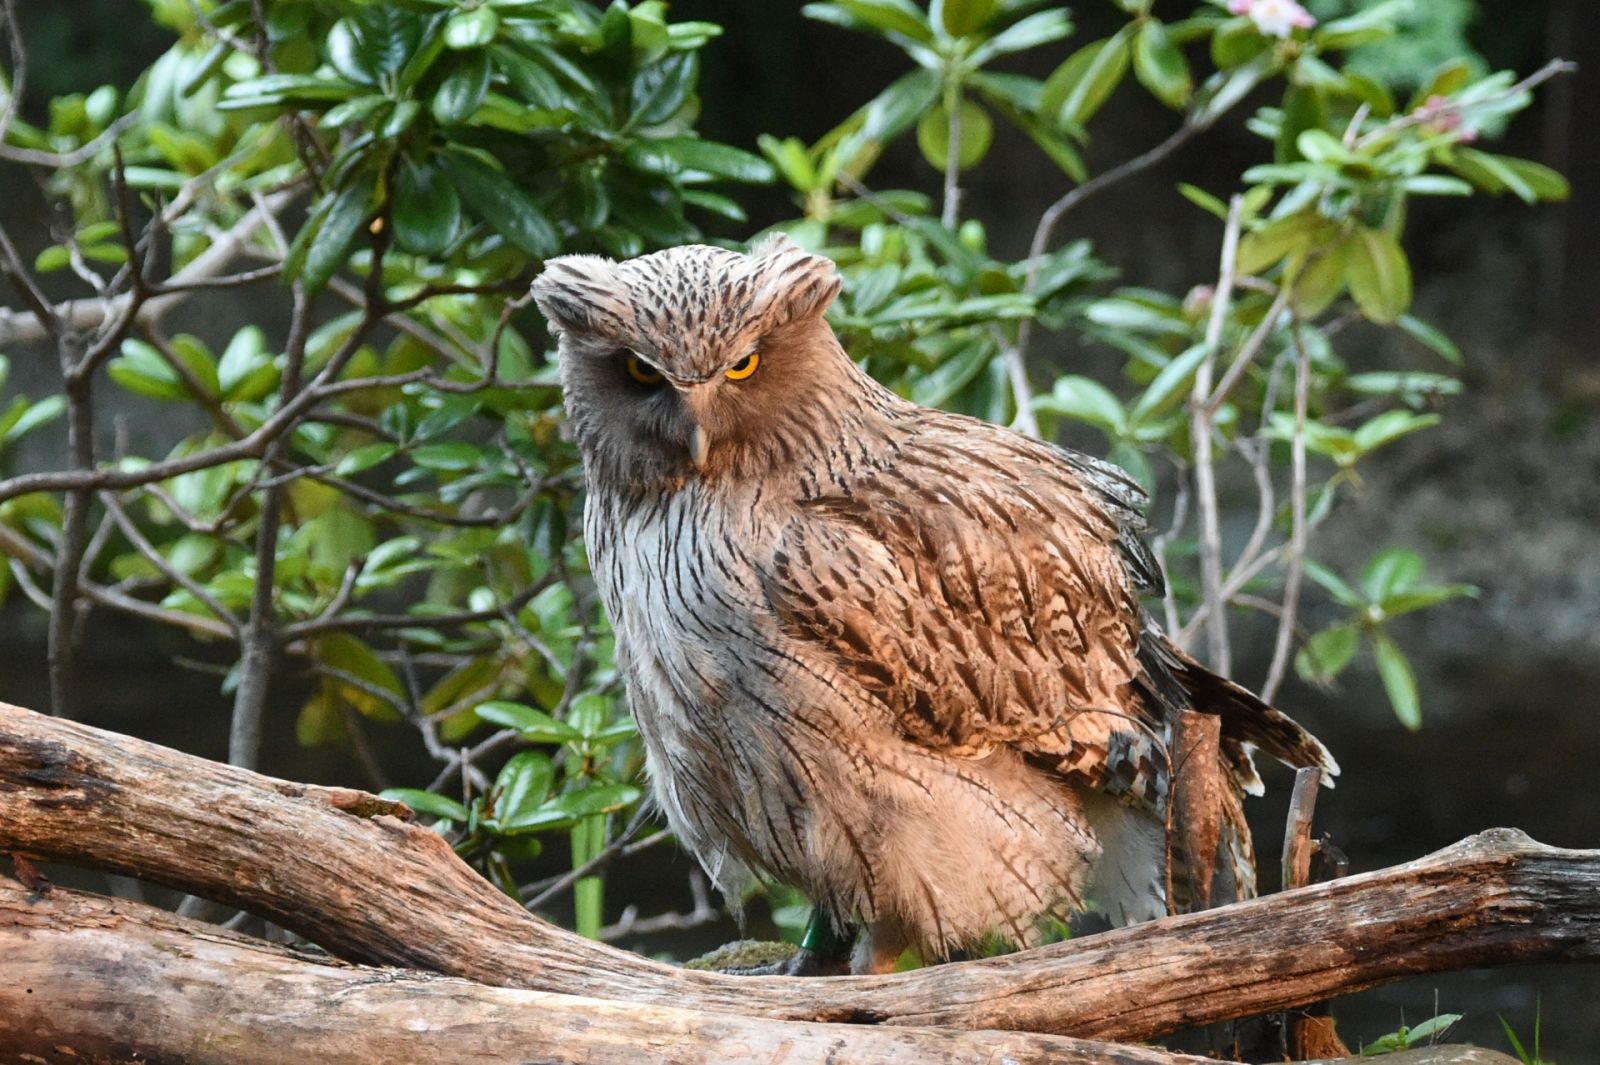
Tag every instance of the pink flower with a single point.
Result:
(1443, 116)
(1275, 18)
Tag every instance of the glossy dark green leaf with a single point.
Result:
(461, 92)
(328, 245)
(719, 160)
(501, 203)
(596, 799)
(660, 90)
(471, 29)
(521, 787)
(533, 723)
(536, 84)
(426, 210)
(429, 803)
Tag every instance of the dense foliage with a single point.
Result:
(366, 481)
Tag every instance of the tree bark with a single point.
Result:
(102, 980)
(118, 980)
(350, 872)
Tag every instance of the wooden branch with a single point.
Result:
(348, 871)
(117, 979)
(1197, 800)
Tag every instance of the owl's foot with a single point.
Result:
(821, 953)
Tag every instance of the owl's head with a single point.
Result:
(679, 362)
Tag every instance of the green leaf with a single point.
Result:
(596, 799)
(963, 17)
(521, 787)
(1041, 27)
(380, 696)
(1389, 573)
(501, 203)
(885, 16)
(1430, 337)
(1334, 585)
(471, 29)
(1325, 655)
(533, 723)
(1424, 596)
(1398, 680)
(1321, 281)
(426, 210)
(141, 369)
(1080, 85)
(1389, 426)
(451, 455)
(719, 160)
(329, 246)
(1292, 235)
(661, 89)
(1160, 66)
(244, 356)
(1085, 400)
(1378, 274)
(377, 41)
(427, 802)
(976, 132)
(1527, 180)
(364, 458)
(24, 417)
(894, 109)
(462, 91)
(1169, 384)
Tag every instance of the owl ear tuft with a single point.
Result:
(579, 293)
(795, 284)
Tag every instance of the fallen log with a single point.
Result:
(102, 980)
(349, 871)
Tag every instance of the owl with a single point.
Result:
(892, 656)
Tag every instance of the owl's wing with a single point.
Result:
(985, 589)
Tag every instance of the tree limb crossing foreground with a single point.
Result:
(353, 873)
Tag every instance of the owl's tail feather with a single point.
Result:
(1247, 719)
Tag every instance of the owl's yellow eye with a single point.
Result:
(743, 368)
(642, 371)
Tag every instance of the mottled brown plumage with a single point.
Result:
(891, 655)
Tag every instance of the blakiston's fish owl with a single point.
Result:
(892, 656)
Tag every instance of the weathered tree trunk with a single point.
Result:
(348, 871)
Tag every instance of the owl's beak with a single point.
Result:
(699, 447)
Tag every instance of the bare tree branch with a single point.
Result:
(1200, 425)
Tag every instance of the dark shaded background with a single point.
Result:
(1506, 494)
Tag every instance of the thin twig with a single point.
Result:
(621, 847)
(141, 544)
(1294, 575)
(1200, 424)
(1247, 353)
(951, 211)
